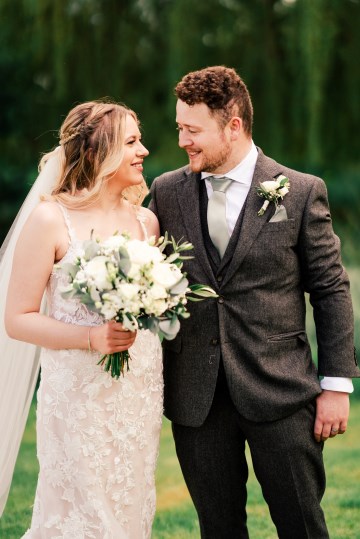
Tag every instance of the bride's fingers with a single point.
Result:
(121, 334)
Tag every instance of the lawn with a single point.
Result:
(176, 518)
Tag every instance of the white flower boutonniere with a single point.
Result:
(272, 191)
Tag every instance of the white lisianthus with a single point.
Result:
(97, 272)
(113, 298)
(108, 310)
(270, 186)
(155, 307)
(283, 191)
(81, 277)
(113, 243)
(134, 272)
(166, 275)
(128, 291)
(95, 296)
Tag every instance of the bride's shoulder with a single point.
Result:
(149, 219)
(46, 213)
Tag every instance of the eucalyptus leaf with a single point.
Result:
(91, 249)
(169, 328)
(70, 269)
(151, 323)
(180, 287)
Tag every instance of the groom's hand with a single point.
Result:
(332, 413)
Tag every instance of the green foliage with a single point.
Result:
(299, 59)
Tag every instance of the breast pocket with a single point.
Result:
(279, 227)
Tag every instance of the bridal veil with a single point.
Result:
(19, 361)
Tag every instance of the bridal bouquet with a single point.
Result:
(135, 283)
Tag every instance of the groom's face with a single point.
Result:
(206, 142)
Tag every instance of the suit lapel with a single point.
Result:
(249, 222)
(187, 190)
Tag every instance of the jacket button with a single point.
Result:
(214, 341)
(221, 299)
(219, 278)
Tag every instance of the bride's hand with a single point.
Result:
(110, 338)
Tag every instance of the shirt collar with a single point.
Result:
(243, 172)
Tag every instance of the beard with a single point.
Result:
(210, 162)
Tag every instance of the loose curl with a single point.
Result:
(92, 149)
(222, 90)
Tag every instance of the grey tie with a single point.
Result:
(216, 214)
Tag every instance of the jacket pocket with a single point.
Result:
(278, 226)
(291, 335)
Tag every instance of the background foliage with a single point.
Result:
(299, 59)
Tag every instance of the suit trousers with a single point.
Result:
(287, 461)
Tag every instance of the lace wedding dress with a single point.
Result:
(97, 437)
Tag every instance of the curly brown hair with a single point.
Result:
(222, 90)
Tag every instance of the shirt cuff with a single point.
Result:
(334, 383)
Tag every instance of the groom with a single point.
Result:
(240, 369)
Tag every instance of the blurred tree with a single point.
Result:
(299, 59)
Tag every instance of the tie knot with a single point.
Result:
(220, 184)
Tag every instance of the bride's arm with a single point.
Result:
(43, 240)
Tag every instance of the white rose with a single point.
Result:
(166, 275)
(270, 186)
(96, 271)
(141, 252)
(157, 292)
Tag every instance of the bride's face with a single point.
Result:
(130, 171)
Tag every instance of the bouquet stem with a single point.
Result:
(115, 363)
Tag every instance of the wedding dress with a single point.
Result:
(97, 437)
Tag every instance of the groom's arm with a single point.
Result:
(328, 285)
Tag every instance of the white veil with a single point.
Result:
(19, 361)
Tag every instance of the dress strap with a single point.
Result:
(67, 221)
(142, 218)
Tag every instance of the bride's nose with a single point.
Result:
(142, 151)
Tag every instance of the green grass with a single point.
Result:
(176, 517)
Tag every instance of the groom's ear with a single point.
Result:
(235, 126)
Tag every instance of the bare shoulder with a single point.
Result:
(150, 220)
(46, 214)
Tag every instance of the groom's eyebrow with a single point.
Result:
(187, 125)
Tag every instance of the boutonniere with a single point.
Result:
(273, 190)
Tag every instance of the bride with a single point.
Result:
(97, 437)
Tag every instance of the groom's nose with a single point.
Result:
(185, 139)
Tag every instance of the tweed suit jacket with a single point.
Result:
(257, 324)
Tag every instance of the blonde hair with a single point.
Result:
(92, 149)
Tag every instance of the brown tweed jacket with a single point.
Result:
(257, 325)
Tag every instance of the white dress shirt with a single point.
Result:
(236, 195)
